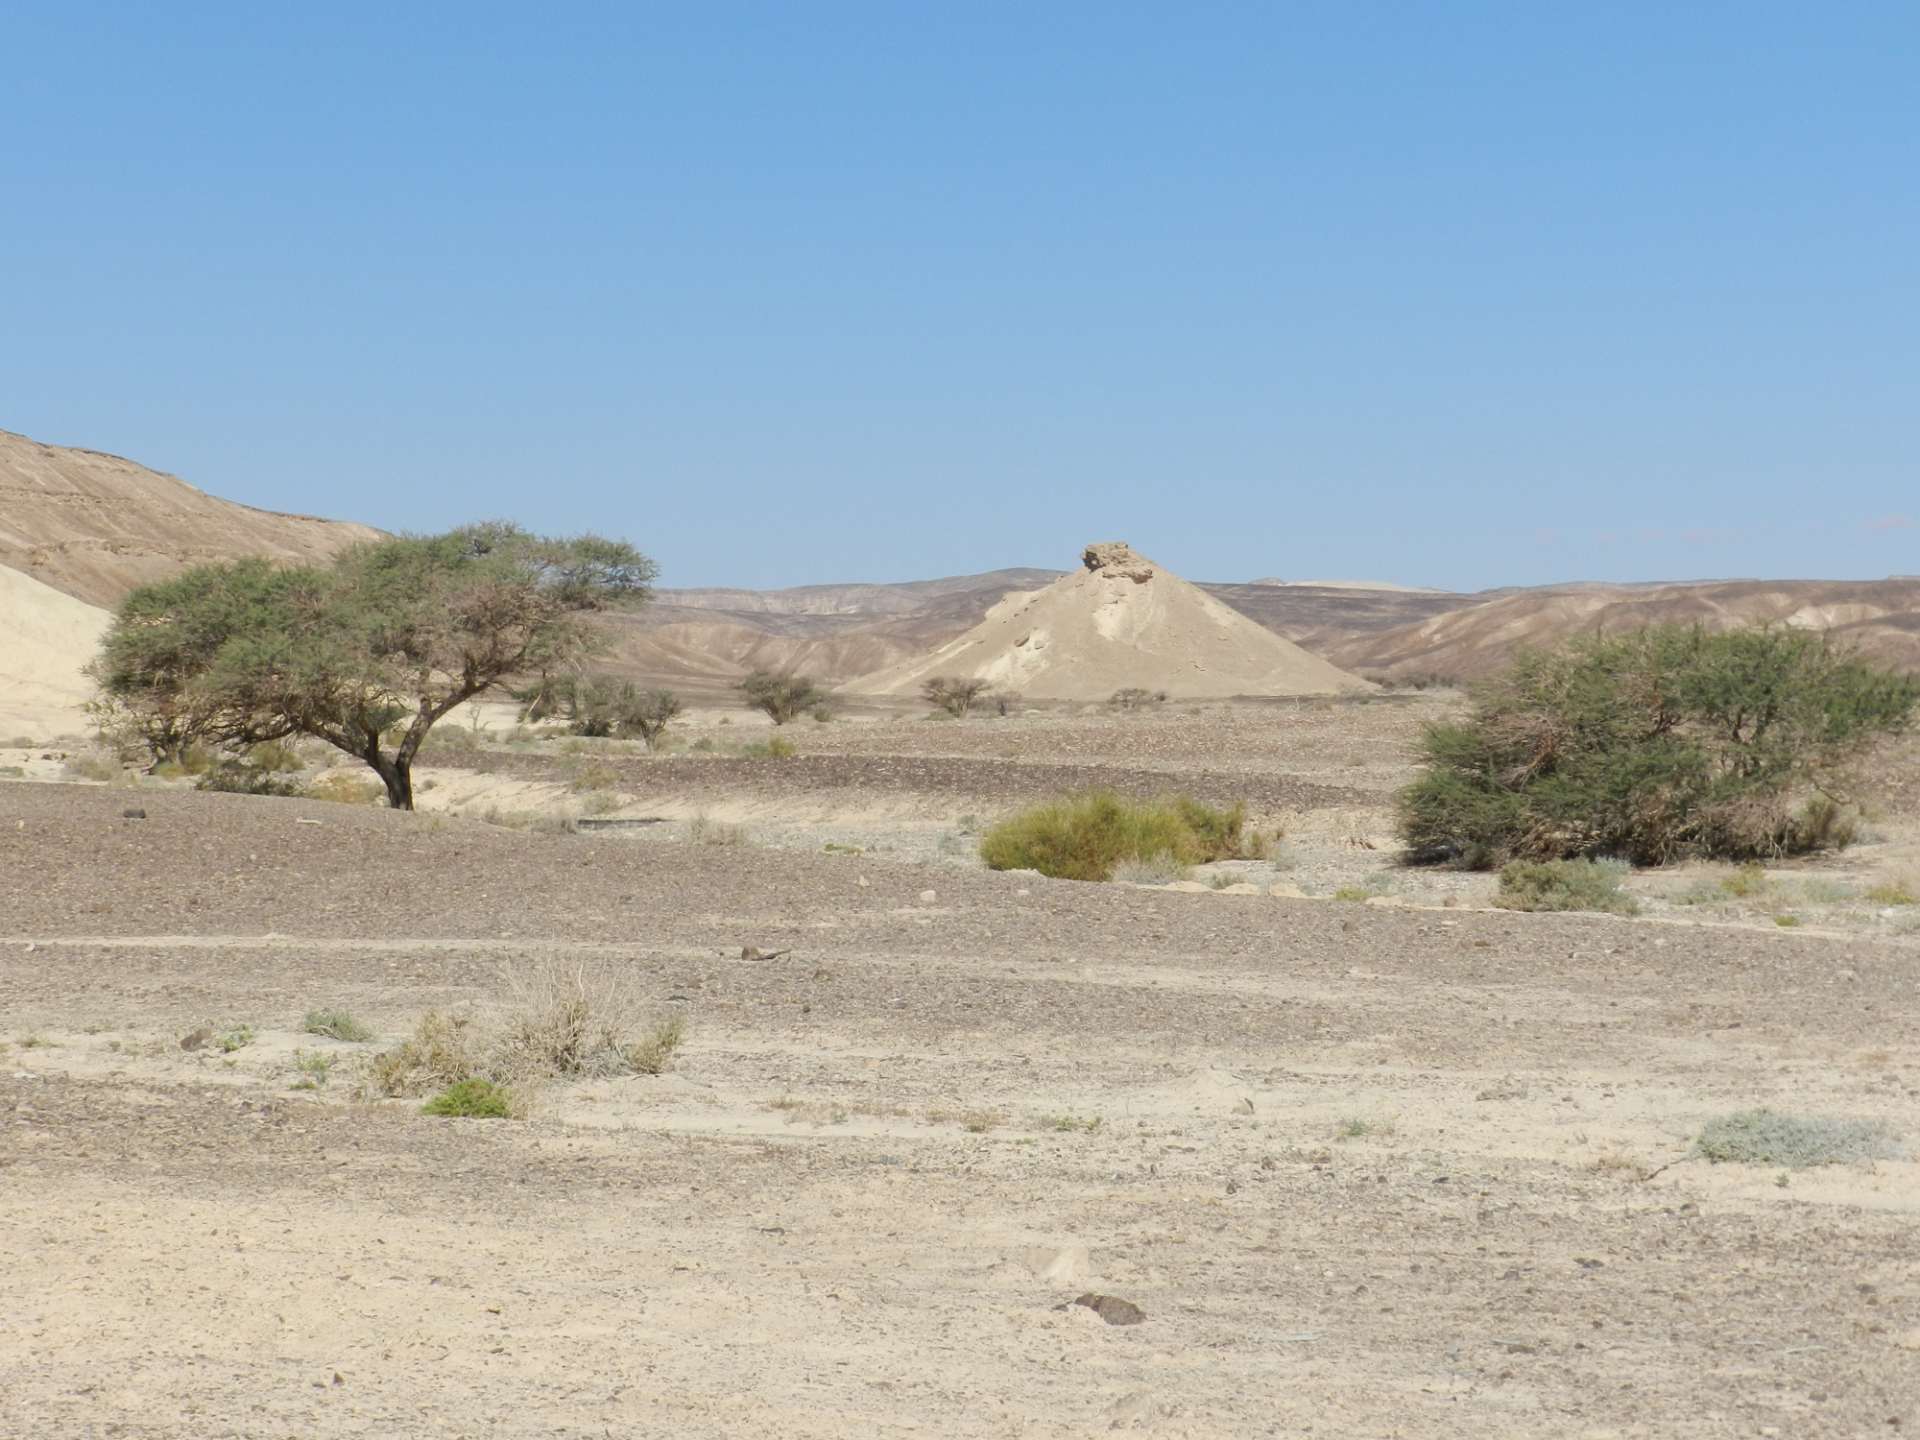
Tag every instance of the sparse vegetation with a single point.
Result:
(1085, 836)
(337, 787)
(91, 767)
(233, 777)
(1135, 698)
(1899, 891)
(1565, 885)
(600, 706)
(1768, 1137)
(780, 697)
(335, 1024)
(1654, 746)
(1155, 870)
(443, 1049)
(956, 695)
(234, 1037)
(471, 1099)
(314, 1068)
(774, 747)
(653, 1052)
(704, 830)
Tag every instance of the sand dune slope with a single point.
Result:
(1118, 621)
(45, 637)
(96, 526)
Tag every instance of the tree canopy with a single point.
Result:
(366, 654)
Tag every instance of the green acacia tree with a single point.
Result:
(366, 654)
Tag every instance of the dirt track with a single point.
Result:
(1368, 1171)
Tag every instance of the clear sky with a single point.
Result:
(1454, 294)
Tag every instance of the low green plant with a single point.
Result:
(471, 1099)
(1747, 883)
(1354, 894)
(336, 1024)
(1085, 836)
(315, 1068)
(1070, 1124)
(594, 775)
(1894, 892)
(1565, 885)
(234, 1037)
(1768, 1137)
(1786, 922)
(275, 757)
(231, 777)
(776, 747)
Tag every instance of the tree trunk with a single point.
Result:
(399, 778)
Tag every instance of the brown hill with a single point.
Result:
(95, 526)
(1119, 621)
(1881, 617)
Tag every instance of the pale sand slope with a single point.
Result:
(96, 526)
(1118, 621)
(45, 637)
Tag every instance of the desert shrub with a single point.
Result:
(234, 778)
(648, 714)
(91, 767)
(339, 788)
(653, 1052)
(13, 772)
(822, 714)
(594, 775)
(1156, 870)
(1749, 882)
(704, 830)
(1135, 698)
(1084, 836)
(1655, 745)
(955, 694)
(443, 1050)
(274, 756)
(599, 802)
(188, 761)
(336, 1024)
(1565, 885)
(1767, 1137)
(775, 747)
(471, 1099)
(780, 696)
(562, 1020)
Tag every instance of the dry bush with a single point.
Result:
(552, 1020)
(1767, 1137)
(340, 788)
(955, 694)
(443, 1050)
(705, 830)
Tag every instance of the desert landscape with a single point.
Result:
(1306, 1141)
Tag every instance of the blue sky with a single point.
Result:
(1448, 294)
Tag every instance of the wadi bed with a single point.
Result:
(1393, 1169)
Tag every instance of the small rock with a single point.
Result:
(194, 1039)
(1112, 1309)
(1908, 1339)
(133, 812)
(863, 882)
(927, 897)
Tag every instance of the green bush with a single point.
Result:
(1766, 1137)
(1656, 745)
(781, 696)
(1083, 837)
(471, 1100)
(1565, 885)
(336, 1024)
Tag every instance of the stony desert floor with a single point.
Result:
(1396, 1164)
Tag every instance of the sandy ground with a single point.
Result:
(1370, 1169)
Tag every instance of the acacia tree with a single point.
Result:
(369, 653)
